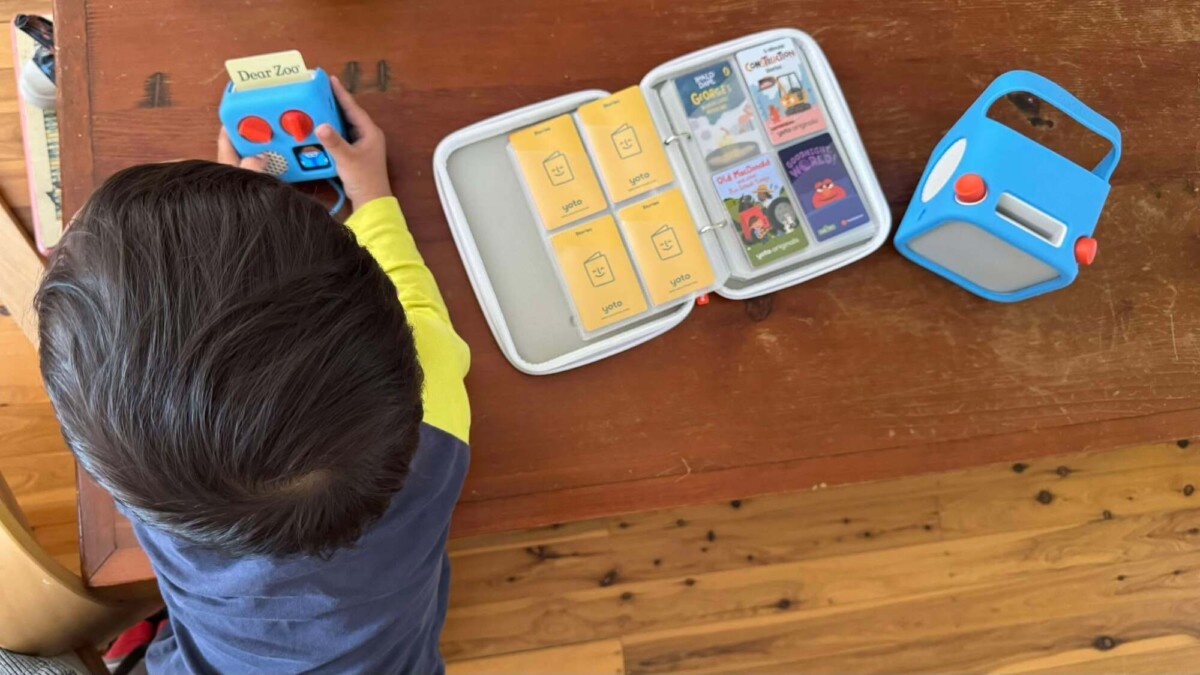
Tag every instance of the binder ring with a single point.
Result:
(711, 227)
(675, 137)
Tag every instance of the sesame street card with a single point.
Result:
(822, 184)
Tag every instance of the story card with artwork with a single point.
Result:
(823, 186)
(761, 212)
(781, 88)
(720, 116)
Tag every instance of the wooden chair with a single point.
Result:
(45, 609)
(20, 270)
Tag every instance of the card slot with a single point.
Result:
(821, 159)
(665, 244)
(597, 272)
(602, 118)
(779, 81)
(623, 145)
(814, 246)
(556, 172)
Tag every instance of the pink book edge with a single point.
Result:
(35, 217)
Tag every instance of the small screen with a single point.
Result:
(312, 157)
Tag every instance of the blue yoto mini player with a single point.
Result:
(278, 122)
(1018, 219)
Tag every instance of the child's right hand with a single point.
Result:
(361, 163)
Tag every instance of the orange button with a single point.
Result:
(296, 123)
(254, 129)
(970, 188)
(1085, 250)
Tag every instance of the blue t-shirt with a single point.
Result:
(375, 608)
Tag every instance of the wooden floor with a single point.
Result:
(33, 457)
(1080, 563)
(1083, 563)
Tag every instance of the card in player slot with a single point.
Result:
(666, 246)
(598, 273)
(625, 144)
(266, 70)
(557, 172)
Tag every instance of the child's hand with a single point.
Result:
(226, 154)
(361, 164)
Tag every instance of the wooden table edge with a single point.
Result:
(128, 565)
(74, 84)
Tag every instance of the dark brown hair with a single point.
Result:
(228, 362)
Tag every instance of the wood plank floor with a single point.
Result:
(34, 460)
(1079, 563)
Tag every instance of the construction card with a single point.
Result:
(782, 90)
(666, 246)
(762, 213)
(721, 118)
(823, 186)
(625, 144)
(598, 273)
(557, 171)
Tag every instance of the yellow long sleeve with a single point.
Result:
(380, 227)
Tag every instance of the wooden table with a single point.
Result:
(877, 370)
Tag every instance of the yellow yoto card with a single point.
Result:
(663, 237)
(557, 170)
(625, 144)
(598, 273)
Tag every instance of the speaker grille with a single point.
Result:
(981, 257)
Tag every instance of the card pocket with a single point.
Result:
(762, 215)
(557, 172)
(598, 273)
(781, 86)
(821, 182)
(624, 142)
(666, 247)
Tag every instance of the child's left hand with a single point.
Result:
(226, 154)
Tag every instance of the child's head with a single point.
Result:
(228, 362)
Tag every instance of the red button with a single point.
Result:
(297, 124)
(702, 300)
(970, 188)
(254, 129)
(1085, 250)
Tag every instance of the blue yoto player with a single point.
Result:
(1000, 214)
(278, 122)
